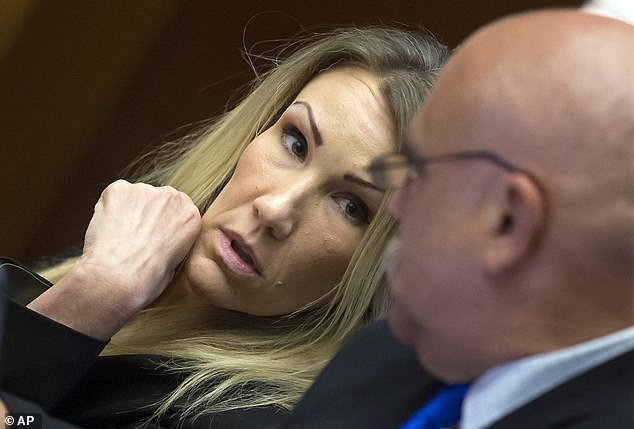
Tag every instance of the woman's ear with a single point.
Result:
(519, 222)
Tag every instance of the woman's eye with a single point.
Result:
(295, 143)
(354, 209)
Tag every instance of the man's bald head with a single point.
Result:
(553, 91)
(542, 72)
(497, 264)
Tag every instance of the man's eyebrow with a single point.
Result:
(311, 120)
(359, 181)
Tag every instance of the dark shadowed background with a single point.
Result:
(86, 86)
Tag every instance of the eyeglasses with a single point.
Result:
(393, 170)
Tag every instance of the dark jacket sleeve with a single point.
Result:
(17, 405)
(40, 359)
(372, 382)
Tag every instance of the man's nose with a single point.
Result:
(278, 211)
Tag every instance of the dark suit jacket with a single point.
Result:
(373, 382)
(601, 398)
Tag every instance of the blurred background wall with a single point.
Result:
(86, 86)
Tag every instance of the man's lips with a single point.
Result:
(237, 255)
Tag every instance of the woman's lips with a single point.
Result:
(236, 254)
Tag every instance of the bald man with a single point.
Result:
(515, 195)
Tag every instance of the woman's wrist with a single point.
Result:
(90, 299)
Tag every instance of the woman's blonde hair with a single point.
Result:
(237, 360)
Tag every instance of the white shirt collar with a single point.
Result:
(507, 387)
(618, 9)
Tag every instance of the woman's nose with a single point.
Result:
(277, 212)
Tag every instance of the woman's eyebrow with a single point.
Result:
(406, 147)
(359, 181)
(311, 120)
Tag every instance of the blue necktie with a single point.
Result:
(441, 411)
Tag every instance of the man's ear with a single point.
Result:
(519, 221)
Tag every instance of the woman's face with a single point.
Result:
(281, 233)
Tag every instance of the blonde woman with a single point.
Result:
(239, 259)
